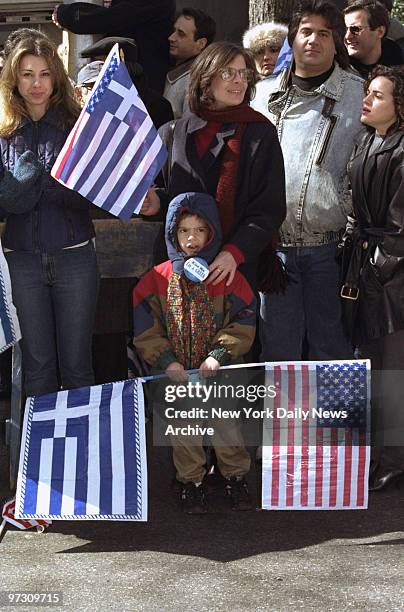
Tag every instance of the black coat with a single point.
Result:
(260, 203)
(149, 22)
(376, 237)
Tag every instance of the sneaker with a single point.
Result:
(193, 498)
(236, 489)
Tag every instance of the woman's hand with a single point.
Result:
(151, 203)
(175, 371)
(224, 265)
(209, 367)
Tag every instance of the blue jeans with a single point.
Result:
(309, 308)
(55, 297)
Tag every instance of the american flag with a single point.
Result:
(9, 326)
(316, 440)
(8, 515)
(83, 455)
(114, 152)
(285, 58)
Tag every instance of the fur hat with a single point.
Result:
(264, 35)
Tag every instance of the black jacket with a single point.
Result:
(375, 237)
(260, 204)
(391, 55)
(149, 22)
(58, 217)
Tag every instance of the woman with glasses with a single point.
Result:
(373, 289)
(226, 149)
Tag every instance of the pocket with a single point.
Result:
(385, 265)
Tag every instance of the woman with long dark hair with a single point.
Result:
(48, 237)
(373, 290)
(225, 148)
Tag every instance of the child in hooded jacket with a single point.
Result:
(182, 324)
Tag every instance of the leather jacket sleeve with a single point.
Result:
(86, 18)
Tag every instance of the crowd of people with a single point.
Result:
(286, 189)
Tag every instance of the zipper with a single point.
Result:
(35, 215)
(331, 124)
(71, 228)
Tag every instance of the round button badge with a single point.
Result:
(196, 269)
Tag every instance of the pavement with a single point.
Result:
(223, 561)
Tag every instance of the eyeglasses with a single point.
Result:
(356, 30)
(229, 74)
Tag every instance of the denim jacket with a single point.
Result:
(316, 130)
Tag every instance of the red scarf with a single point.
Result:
(227, 184)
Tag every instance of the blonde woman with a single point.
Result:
(264, 41)
(48, 236)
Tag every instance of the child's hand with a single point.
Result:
(176, 372)
(151, 203)
(209, 367)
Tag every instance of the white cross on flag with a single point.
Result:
(114, 153)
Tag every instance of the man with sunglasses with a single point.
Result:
(367, 23)
(316, 108)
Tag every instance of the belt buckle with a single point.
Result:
(349, 293)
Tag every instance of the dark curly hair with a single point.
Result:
(332, 16)
(395, 75)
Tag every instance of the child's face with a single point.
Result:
(192, 234)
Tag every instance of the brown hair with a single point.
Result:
(13, 105)
(395, 75)
(376, 12)
(208, 65)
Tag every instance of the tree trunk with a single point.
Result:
(261, 11)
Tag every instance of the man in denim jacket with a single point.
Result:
(316, 109)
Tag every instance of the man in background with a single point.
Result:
(193, 31)
(367, 23)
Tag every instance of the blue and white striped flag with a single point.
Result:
(83, 455)
(9, 326)
(285, 58)
(114, 153)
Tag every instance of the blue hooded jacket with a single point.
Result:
(204, 206)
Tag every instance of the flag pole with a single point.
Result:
(3, 529)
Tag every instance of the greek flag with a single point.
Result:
(285, 58)
(83, 455)
(114, 153)
(9, 327)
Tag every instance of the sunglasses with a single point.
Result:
(229, 74)
(356, 30)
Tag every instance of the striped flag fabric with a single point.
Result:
(316, 448)
(8, 515)
(285, 58)
(113, 153)
(83, 455)
(10, 332)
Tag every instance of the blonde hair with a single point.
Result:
(12, 104)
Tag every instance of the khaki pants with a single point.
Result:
(189, 455)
